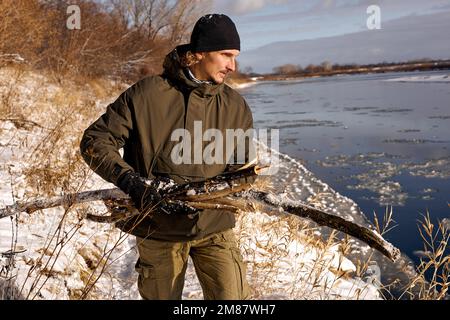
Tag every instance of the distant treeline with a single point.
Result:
(327, 68)
(125, 39)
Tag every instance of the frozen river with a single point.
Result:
(379, 139)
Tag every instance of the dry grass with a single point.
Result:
(287, 259)
(387, 224)
(9, 94)
(50, 164)
(433, 273)
(266, 242)
(432, 276)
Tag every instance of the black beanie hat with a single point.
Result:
(214, 32)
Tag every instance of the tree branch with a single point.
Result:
(213, 193)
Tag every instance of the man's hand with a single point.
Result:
(142, 191)
(149, 193)
(171, 206)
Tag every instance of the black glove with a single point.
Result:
(162, 184)
(142, 191)
(149, 193)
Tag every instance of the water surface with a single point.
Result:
(375, 141)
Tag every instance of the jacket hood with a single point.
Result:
(176, 73)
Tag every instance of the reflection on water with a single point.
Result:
(378, 142)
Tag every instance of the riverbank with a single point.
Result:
(58, 254)
(379, 139)
(243, 81)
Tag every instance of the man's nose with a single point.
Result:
(231, 66)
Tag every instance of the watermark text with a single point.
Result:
(74, 20)
(374, 19)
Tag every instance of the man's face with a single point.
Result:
(214, 66)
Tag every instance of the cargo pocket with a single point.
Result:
(161, 269)
(145, 271)
(153, 284)
(148, 271)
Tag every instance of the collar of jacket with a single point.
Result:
(193, 78)
(174, 71)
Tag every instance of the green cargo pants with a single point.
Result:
(217, 261)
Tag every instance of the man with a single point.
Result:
(189, 93)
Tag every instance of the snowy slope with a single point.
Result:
(60, 255)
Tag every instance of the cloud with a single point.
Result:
(241, 7)
(401, 39)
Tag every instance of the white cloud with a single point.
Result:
(401, 39)
(241, 7)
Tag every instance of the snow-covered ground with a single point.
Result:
(239, 86)
(442, 78)
(57, 254)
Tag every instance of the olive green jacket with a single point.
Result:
(141, 121)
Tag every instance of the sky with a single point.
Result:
(261, 22)
(403, 39)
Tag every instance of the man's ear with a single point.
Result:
(199, 55)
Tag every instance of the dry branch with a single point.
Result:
(219, 186)
(214, 193)
(368, 235)
(65, 201)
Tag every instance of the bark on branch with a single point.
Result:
(65, 201)
(368, 235)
